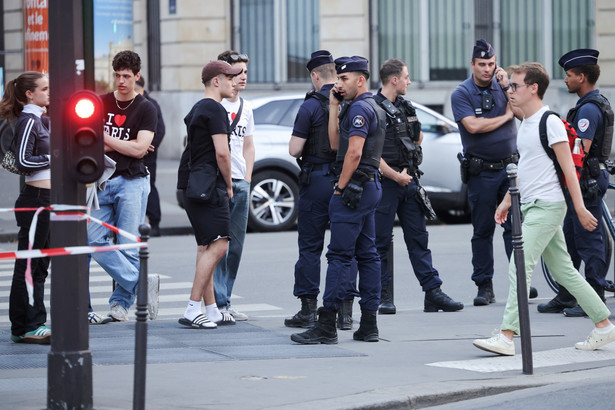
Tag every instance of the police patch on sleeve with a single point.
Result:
(358, 121)
(583, 124)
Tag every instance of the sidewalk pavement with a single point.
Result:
(421, 360)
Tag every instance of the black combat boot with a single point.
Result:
(368, 328)
(485, 294)
(436, 300)
(323, 332)
(561, 301)
(387, 307)
(344, 315)
(578, 311)
(306, 317)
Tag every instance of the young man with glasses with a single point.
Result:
(544, 207)
(242, 163)
(487, 129)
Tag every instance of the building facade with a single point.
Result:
(175, 38)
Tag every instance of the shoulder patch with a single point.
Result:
(583, 124)
(358, 121)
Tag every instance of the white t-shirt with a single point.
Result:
(536, 173)
(244, 127)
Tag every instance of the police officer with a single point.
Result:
(401, 157)
(359, 142)
(592, 118)
(488, 135)
(310, 144)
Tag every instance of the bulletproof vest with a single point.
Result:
(372, 149)
(601, 144)
(317, 144)
(402, 131)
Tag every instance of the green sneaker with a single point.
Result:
(39, 336)
(17, 339)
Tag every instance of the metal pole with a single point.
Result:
(391, 269)
(522, 296)
(138, 400)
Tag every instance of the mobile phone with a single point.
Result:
(338, 96)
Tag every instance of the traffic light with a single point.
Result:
(84, 126)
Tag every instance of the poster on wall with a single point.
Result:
(36, 36)
(112, 33)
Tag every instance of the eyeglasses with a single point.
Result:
(243, 58)
(514, 86)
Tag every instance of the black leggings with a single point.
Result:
(25, 318)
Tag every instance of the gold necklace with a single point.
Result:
(118, 103)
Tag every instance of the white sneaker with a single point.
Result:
(596, 340)
(498, 344)
(96, 319)
(238, 316)
(153, 292)
(118, 313)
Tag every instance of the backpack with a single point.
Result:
(578, 159)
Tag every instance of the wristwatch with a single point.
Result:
(338, 189)
(506, 88)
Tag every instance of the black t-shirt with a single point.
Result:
(125, 124)
(206, 118)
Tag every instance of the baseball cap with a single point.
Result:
(217, 67)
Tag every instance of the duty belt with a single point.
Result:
(498, 165)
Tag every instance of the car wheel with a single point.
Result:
(273, 202)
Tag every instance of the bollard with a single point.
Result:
(391, 269)
(138, 400)
(522, 296)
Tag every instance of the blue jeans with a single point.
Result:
(226, 270)
(122, 204)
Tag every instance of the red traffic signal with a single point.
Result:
(84, 125)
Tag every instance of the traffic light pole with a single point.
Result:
(69, 375)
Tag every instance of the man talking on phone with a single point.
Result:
(488, 135)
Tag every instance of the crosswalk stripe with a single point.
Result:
(546, 358)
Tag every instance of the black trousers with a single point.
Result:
(25, 318)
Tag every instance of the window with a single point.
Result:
(522, 21)
(448, 39)
(279, 36)
(573, 27)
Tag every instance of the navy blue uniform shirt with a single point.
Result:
(467, 101)
(588, 118)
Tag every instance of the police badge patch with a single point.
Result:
(358, 121)
(583, 124)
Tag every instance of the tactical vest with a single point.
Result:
(402, 132)
(372, 150)
(601, 144)
(317, 144)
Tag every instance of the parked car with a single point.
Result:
(275, 190)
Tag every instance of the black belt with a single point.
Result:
(236, 179)
(499, 164)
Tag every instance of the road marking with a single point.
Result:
(546, 358)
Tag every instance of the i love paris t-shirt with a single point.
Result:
(125, 123)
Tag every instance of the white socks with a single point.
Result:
(193, 309)
(212, 312)
(605, 329)
(504, 338)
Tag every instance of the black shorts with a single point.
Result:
(210, 220)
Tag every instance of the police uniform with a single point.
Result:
(487, 154)
(401, 151)
(316, 181)
(352, 229)
(592, 118)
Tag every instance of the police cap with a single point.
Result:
(318, 58)
(575, 58)
(483, 49)
(348, 64)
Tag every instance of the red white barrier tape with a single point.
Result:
(71, 250)
(116, 229)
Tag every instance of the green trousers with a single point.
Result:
(543, 236)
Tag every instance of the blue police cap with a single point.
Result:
(575, 58)
(348, 64)
(319, 58)
(483, 49)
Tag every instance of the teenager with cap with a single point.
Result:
(208, 146)
(358, 140)
(488, 135)
(310, 145)
(592, 118)
(544, 207)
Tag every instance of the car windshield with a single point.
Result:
(279, 112)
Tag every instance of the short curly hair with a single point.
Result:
(127, 60)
